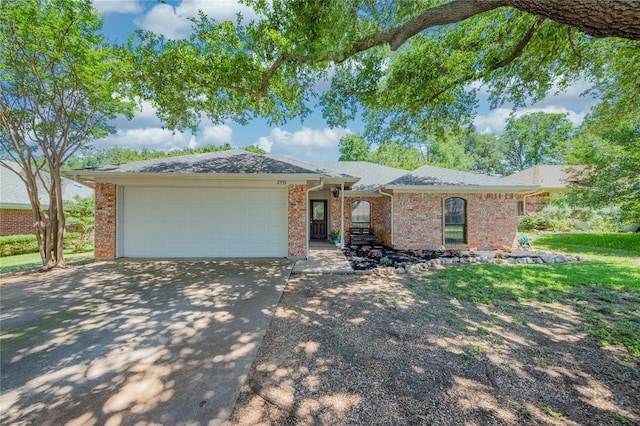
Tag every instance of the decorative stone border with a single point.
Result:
(519, 257)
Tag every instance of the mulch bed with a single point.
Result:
(363, 258)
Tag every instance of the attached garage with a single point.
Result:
(202, 222)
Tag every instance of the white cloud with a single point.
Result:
(495, 122)
(173, 22)
(216, 135)
(118, 6)
(153, 138)
(569, 101)
(306, 144)
(492, 123)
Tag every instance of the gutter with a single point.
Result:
(524, 200)
(392, 222)
(306, 220)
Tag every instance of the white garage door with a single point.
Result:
(204, 222)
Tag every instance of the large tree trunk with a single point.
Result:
(599, 18)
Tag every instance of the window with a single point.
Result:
(360, 214)
(455, 218)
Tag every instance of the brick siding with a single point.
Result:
(492, 220)
(536, 202)
(16, 222)
(105, 230)
(297, 212)
(380, 214)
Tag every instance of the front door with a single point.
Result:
(318, 219)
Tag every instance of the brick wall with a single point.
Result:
(380, 214)
(492, 220)
(16, 222)
(536, 203)
(105, 230)
(297, 220)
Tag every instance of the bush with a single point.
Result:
(13, 245)
(537, 221)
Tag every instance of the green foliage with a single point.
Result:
(14, 245)
(536, 138)
(411, 84)
(354, 147)
(80, 218)
(60, 85)
(18, 244)
(613, 159)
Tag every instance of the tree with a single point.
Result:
(485, 152)
(80, 214)
(354, 147)
(608, 143)
(60, 85)
(536, 138)
(404, 64)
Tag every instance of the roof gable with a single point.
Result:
(234, 161)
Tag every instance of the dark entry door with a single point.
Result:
(318, 219)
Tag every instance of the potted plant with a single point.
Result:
(336, 192)
(334, 236)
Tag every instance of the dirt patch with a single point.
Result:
(397, 350)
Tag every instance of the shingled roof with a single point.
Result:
(430, 177)
(13, 191)
(372, 176)
(360, 175)
(549, 177)
(234, 161)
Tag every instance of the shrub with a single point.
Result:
(534, 221)
(13, 245)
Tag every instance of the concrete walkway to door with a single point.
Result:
(324, 258)
(134, 342)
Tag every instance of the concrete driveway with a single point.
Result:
(133, 342)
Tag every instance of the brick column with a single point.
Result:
(297, 220)
(105, 230)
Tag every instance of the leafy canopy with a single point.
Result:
(409, 67)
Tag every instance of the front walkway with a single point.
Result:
(324, 258)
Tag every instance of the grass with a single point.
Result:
(24, 262)
(605, 287)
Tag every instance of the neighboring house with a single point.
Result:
(551, 179)
(239, 204)
(16, 216)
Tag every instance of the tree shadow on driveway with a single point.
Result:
(131, 342)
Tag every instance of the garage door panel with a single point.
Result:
(204, 222)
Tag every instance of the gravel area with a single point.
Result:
(390, 350)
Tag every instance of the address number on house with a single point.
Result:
(281, 182)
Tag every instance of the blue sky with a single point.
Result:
(311, 140)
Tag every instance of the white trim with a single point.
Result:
(307, 216)
(454, 189)
(119, 221)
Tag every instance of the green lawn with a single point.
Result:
(608, 281)
(23, 262)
